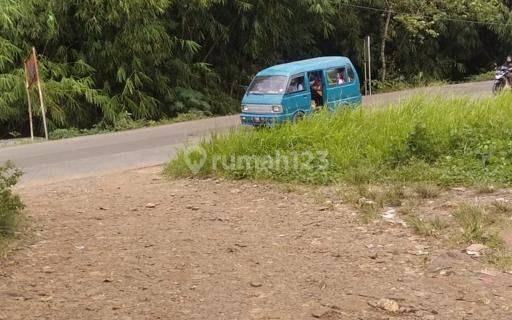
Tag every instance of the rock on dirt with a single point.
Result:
(387, 305)
(477, 250)
(390, 214)
(366, 202)
(320, 311)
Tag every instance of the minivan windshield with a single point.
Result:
(268, 85)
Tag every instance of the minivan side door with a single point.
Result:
(298, 96)
(351, 92)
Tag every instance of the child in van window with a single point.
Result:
(341, 76)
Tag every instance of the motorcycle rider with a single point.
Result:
(508, 64)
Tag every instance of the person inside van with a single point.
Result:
(296, 85)
(316, 90)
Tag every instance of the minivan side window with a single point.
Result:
(296, 84)
(350, 73)
(336, 77)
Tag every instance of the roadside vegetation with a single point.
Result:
(402, 83)
(484, 76)
(426, 139)
(128, 124)
(10, 204)
(419, 81)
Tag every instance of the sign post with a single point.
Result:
(31, 77)
(29, 99)
(367, 57)
(365, 61)
(43, 110)
(369, 48)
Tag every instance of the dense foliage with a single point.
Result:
(106, 61)
(469, 142)
(10, 204)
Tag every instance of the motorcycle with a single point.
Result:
(501, 80)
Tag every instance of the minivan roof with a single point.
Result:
(289, 69)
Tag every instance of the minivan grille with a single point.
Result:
(258, 108)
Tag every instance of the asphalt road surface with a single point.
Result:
(92, 155)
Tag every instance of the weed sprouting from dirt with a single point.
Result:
(369, 213)
(473, 222)
(502, 259)
(479, 225)
(371, 200)
(427, 190)
(502, 208)
(485, 188)
(426, 227)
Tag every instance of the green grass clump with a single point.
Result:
(425, 139)
(502, 207)
(10, 204)
(369, 213)
(478, 226)
(426, 227)
(427, 191)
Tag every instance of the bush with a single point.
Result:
(10, 204)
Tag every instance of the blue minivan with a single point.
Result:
(288, 92)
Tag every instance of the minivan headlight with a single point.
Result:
(277, 109)
(245, 108)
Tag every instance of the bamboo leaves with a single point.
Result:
(107, 61)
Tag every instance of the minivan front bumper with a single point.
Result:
(250, 119)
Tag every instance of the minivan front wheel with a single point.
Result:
(298, 116)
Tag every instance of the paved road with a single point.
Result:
(91, 155)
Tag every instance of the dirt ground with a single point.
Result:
(134, 246)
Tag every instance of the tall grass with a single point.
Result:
(446, 141)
